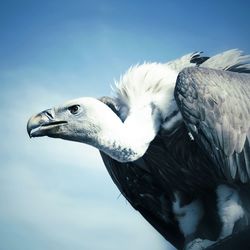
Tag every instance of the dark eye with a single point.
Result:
(74, 109)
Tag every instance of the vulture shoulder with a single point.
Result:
(215, 106)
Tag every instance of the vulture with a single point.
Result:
(175, 139)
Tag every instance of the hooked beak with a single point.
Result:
(40, 124)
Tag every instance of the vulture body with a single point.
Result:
(175, 139)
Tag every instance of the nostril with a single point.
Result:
(48, 114)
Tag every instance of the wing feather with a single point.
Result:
(220, 113)
(231, 60)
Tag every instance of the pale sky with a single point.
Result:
(57, 195)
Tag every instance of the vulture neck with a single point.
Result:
(128, 141)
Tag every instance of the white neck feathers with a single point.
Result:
(128, 141)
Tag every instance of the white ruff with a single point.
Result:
(146, 84)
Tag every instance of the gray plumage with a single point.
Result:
(216, 109)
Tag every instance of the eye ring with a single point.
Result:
(74, 109)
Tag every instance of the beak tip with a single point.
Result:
(29, 129)
(38, 125)
(32, 123)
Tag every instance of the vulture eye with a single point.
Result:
(74, 109)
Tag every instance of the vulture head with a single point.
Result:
(124, 134)
(79, 120)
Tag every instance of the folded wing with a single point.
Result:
(215, 106)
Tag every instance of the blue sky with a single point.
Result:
(56, 194)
